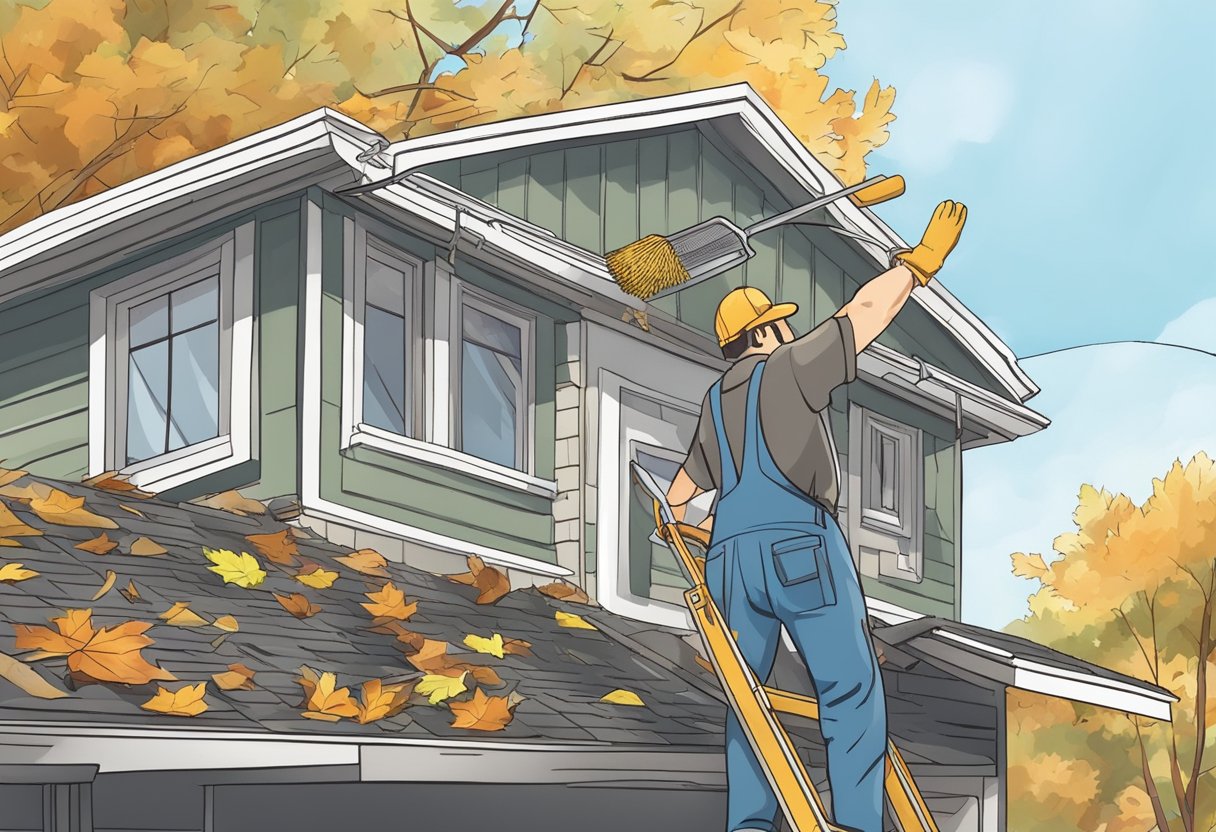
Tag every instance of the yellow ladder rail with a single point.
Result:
(757, 704)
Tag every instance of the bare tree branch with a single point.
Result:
(414, 88)
(1150, 785)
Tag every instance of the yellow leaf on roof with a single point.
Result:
(242, 570)
(185, 701)
(111, 577)
(621, 696)
(62, 509)
(493, 645)
(575, 622)
(99, 545)
(180, 615)
(146, 547)
(13, 526)
(134, 511)
(318, 578)
(12, 573)
(226, 623)
(437, 688)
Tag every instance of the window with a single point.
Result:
(890, 473)
(452, 387)
(170, 374)
(491, 410)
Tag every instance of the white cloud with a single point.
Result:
(1196, 327)
(947, 104)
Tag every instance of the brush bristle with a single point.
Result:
(646, 267)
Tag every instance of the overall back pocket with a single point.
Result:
(802, 568)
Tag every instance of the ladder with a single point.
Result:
(757, 704)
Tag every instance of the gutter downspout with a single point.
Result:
(925, 374)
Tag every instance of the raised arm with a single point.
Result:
(878, 301)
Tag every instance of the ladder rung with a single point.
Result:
(783, 701)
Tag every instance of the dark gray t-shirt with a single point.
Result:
(794, 394)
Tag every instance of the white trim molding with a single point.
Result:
(229, 259)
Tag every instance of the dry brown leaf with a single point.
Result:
(180, 615)
(277, 547)
(99, 545)
(146, 547)
(62, 509)
(379, 701)
(233, 502)
(185, 701)
(13, 572)
(236, 677)
(517, 647)
(487, 676)
(111, 481)
(367, 562)
(111, 577)
(433, 658)
(131, 593)
(490, 583)
(482, 713)
(297, 605)
(564, 592)
(409, 638)
(28, 679)
(107, 655)
(13, 526)
(323, 699)
(227, 623)
(389, 602)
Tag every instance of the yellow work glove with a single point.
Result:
(939, 240)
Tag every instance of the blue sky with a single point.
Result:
(1079, 135)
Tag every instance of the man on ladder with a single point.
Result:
(777, 556)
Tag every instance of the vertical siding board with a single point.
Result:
(698, 303)
(278, 296)
(620, 194)
(447, 172)
(582, 199)
(829, 287)
(481, 184)
(546, 187)
(683, 208)
(798, 277)
(652, 185)
(513, 187)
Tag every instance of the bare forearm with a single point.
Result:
(877, 303)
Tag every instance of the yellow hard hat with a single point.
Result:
(747, 308)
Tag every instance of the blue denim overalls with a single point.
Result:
(777, 558)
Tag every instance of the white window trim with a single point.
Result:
(904, 559)
(436, 364)
(231, 258)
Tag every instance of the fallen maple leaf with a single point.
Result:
(27, 678)
(379, 701)
(131, 593)
(318, 578)
(564, 592)
(277, 547)
(180, 615)
(5, 541)
(111, 481)
(297, 605)
(185, 701)
(227, 623)
(367, 562)
(409, 638)
(107, 655)
(111, 577)
(99, 545)
(517, 647)
(146, 547)
(432, 658)
(236, 677)
(493, 645)
(575, 622)
(62, 509)
(322, 700)
(620, 696)
(389, 602)
(242, 570)
(482, 713)
(13, 526)
(233, 502)
(437, 687)
(491, 583)
(12, 573)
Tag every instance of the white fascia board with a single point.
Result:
(889, 613)
(86, 233)
(767, 129)
(999, 666)
(126, 748)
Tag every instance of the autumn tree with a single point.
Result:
(93, 94)
(1133, 588)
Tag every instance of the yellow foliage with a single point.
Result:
(623, 697)
(493, 645)
(242, 570)
(573, 621)
(437, 687)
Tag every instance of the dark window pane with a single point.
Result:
(384, 371)
(889, 471)
(149, 321)
(195, 304)
(195, 381)
(147, 401)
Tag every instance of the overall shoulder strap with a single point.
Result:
(729, 478)
(751, 430)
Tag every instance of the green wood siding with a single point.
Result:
(430, 497)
